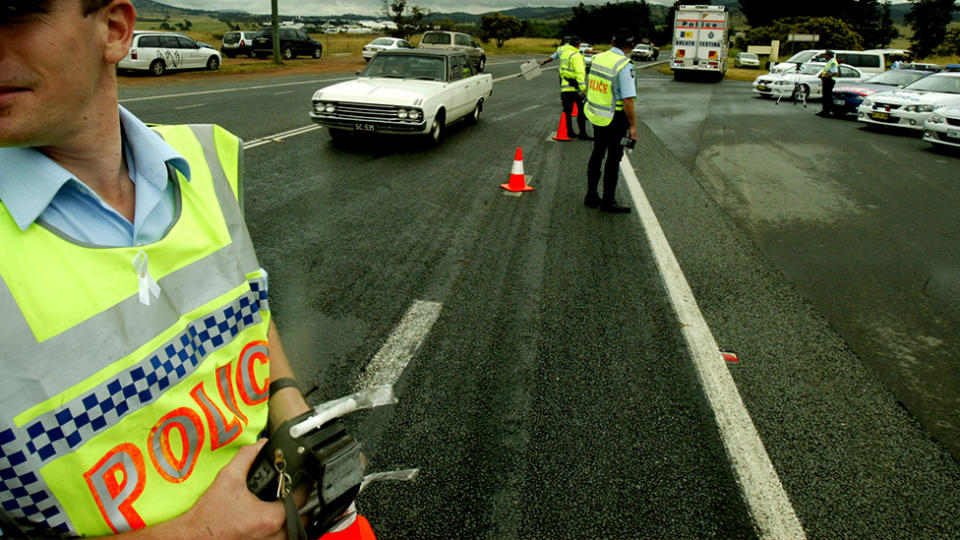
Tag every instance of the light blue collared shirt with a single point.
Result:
(33, 186)
(626, 86)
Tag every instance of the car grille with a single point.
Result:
(889, 106)
(363, 111)
(953, 121)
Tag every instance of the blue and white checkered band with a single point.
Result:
(23, 493)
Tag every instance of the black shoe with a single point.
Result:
(614, 208)
(584, 137)
(591, 201)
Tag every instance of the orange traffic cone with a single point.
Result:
(517, 180)
(575, 112)
(562, 129)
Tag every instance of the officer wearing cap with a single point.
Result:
(828, 77)
(611, 91)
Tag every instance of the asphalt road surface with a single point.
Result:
(550, 370)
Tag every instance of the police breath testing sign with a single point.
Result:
(531, 69)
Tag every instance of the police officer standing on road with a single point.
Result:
(573, 74)
(828, 77)
(140, 362)
(610, 108)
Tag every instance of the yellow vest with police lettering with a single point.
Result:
(116, 414)
(604, 70)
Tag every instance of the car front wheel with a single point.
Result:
(482, 63)
(287, 54)
(213, 63)
(317, 52)
(436, 129)
(158, 67)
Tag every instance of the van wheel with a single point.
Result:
(317, 53)
(482, 63)
(213, 63)
(158, 67)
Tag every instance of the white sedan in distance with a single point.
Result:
(912, 105)
(791, 84)
(943, 127)
(405, 91)
(383, 44)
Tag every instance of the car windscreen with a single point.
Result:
(811, 69)
(751, 56)
(933, 83)
(895, 77)
(802, 57)
(265, 32)
(435, 38)
(429, 68)
(382, 41)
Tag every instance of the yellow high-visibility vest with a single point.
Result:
(601, 106)
(117, 414)
(572, 68)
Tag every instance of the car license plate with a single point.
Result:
(365, 127)
(838, 102)
(879, 116)
(953, 133)
(762, 87)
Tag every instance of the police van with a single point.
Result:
(700, 36)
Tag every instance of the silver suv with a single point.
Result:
(455, 41)
(236, 42)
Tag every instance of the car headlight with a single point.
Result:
(936, 119)
(329, 107)
(919, 108)
(867, 102)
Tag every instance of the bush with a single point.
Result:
(834, 33)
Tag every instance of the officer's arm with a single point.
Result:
(628, 110)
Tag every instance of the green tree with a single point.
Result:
(595, 24)
(950, 45)
(869, 18)
(929, 19)
(446, 24)
(408, 24)
(499, 27)
(834, 33)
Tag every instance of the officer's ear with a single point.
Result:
(118, 18)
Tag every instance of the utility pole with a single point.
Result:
(274, 19)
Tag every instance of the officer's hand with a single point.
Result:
(228, 510)
(633, 132)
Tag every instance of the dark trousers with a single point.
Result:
(568, 99)
(827, 101)
(606, 142)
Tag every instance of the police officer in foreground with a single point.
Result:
(140, 362)
(573, 74)
(828, 77)
(611, 91)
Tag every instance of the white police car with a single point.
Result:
(158, 52)
(943, 127)
(912, 105)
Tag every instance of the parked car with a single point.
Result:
(158, 52)
(236, 42)
(293, 42)
(745, 59)
(455, 41)
(804, 80)
(848, 97)
(943, 127)
(382, 44)
(790, 64)
(912, 105)
(644, 52)
(404, 91)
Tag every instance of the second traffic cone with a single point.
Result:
(517, 181)
(575, 112)
(562, 129)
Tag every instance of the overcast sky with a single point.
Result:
(371, 7)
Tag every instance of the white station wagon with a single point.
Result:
(404, 91)
(158, 52)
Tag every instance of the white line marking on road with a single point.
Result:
(280, 136)
(403, 343)
(189, 106)
(283, 93)
(227, 90)
(766, 498)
